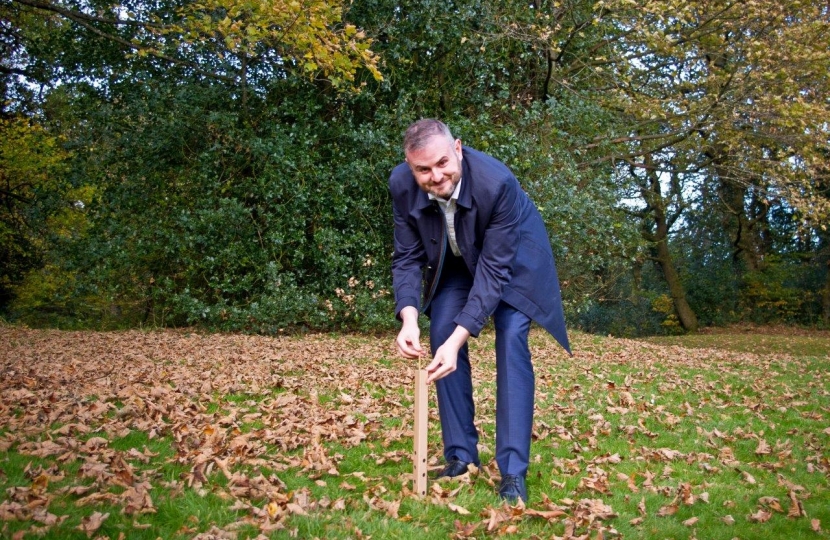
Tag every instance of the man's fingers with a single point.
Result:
(406, 353)
(440, 373)
(432, 366)
(438, 370)
(408, 350)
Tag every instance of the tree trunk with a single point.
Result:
(823, 258)
(652, 193)
(747, 220)
(685, 313)
(825, 298)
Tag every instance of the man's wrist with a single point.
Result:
(409, 316)
(459, 337)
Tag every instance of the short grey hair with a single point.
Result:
(418, 134)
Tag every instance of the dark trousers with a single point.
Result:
(515, 383)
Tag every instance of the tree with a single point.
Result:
(237, 152)
(229, 40)
(33, 199)
(719, 93)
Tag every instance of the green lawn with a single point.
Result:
(183, 435)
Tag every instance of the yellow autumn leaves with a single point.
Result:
(309, 34)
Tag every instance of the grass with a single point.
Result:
(684, 437)
(753, 339)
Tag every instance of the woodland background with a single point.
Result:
(223, 163)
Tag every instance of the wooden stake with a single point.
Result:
(421, 425)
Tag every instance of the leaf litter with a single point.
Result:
(236, 406)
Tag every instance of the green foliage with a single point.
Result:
(231, 176)
(664, 306)
(771, 294)
(593, 241)
(713, 292)
(623, 318)
(33, 199)
(44, 298)
(201, 218)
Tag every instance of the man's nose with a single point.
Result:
(437, 174)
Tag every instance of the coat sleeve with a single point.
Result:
(502, 236)
(408, 258)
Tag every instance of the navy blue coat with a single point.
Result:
(502, 239)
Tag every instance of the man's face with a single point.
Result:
(437, 166)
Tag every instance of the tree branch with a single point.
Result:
(78, 16)
(13, 71)
(86, 21)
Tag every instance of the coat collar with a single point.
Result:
(465, 198)
(423, 201)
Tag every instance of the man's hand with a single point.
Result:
(446, 357)
(408, 340)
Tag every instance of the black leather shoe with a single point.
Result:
(454, 468)
(512, 488)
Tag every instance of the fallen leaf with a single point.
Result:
(641, 506)
(685, 494)
(761, 516)
(772, 503)
(296, 509)
(90, 524)
(796, 507)
(459, 509)
(668, 510)
(763, 448)
(549, 515)
(463, 531)
(496, 518)
(40, 484)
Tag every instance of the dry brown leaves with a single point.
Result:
(625, 408)
(98, 387)
(67, 396)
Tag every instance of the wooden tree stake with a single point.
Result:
(421, 424)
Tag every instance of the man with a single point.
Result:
(465, 228)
